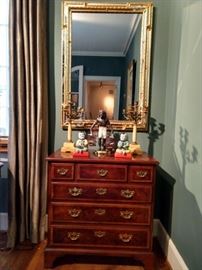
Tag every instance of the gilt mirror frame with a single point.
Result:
(68, 113)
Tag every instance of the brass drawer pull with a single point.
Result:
(73, 236)
(100, 212)
(74, 212)
(75, 191)
(102, 172)
(62, 171)
(126, 193)
(101, 191)
(125, 237)
(99, 234)
(126, 214)
(141, 173)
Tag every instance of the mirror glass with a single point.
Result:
(107, 46)
(106, 60)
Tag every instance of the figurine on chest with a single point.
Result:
(81, 145)
(103, 123)
(122, 150)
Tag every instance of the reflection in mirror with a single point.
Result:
(77, 86)
(106, 45)
(101, 93)
(106, 63)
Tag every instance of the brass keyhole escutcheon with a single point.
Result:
(74, 212)
(102, 172)
(126, 214)
(73, 236)
(100, 234)
(125, 237)
(62, 171)
(128, 194)
(75, 192)
(141, 173)
(100, 212)
(101, 191)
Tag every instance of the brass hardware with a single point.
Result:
(100, 212)
(141, 173)
(126, 214)
(99, 234)
(73, 236)
(126, 193)
(102, 172)
(75, 191)
(62, 171)
(125, 237)
(74, 212)
(101, 191)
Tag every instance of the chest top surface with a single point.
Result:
(67, 157)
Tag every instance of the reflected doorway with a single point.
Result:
(101, 93)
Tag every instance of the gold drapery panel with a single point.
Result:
(28, 138)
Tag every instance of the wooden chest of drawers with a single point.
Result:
(100, 206)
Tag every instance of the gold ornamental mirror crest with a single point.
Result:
(74, 114)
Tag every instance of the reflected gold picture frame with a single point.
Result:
(130, 93)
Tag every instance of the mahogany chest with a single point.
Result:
(100, 206)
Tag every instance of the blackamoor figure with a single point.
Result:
(103, 123)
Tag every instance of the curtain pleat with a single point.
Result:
(29, 117)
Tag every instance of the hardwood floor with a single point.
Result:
(27, 257)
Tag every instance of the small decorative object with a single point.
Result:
(91, 139)
(103, 123)
(81, 146)
(134, 113)
(70, 112)
(123, 150)
(68, 147)
(111, 145)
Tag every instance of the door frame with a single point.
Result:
(81, 84)
(117, 80)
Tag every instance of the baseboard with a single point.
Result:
(3, 221)
(173, 256)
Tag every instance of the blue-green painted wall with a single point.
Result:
(108, 66)
(175, 102)
(182, 141)
(133, 54)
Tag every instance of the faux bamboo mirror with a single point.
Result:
(106, 63)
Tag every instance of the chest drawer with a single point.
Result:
(92, 236)
(79, 191)
(105, 213)
(101, 172)
(140, 174)
(62, 171)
